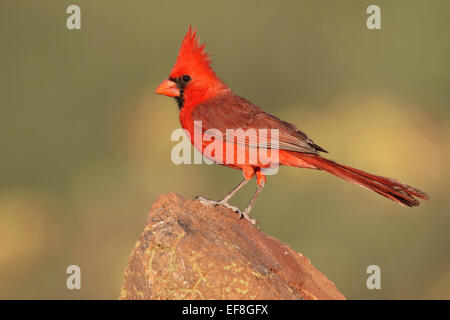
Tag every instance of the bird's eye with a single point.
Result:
(186, 78)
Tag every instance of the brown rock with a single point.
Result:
(191, 251)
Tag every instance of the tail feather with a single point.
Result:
(389, 188)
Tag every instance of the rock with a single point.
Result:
(190, 251)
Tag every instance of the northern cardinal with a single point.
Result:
(202, 96)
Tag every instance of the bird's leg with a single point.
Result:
(225, 199)
(247, 210)
(230, 194)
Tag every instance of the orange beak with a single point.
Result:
(168, 88)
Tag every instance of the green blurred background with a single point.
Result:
(85, 144)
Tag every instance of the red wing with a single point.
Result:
(233, 112)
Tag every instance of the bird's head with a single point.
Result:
(192, 79)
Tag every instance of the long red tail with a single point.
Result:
(389, 188)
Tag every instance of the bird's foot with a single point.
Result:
(211, 203)
(206, 202)
(215, 203)
(246, 215)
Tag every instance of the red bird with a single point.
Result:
(202, 96)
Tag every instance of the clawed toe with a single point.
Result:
(206, 202)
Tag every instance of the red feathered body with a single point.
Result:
(204, 98)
